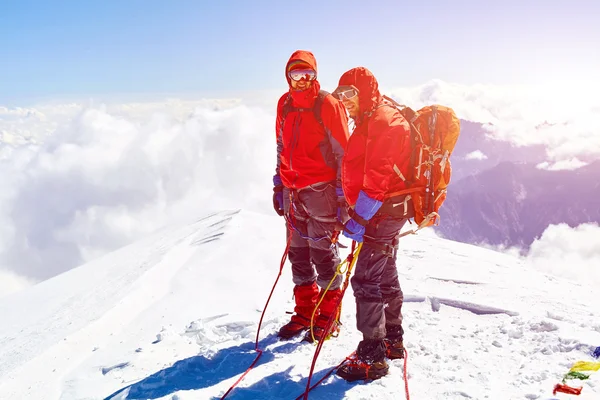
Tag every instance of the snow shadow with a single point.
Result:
(197, 372)
(282, 386)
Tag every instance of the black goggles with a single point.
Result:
(345, 92)
(300, 74)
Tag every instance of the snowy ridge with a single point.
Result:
(174, 316)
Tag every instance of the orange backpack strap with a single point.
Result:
(405, 191)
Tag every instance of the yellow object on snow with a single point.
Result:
(581, 366)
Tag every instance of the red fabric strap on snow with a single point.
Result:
(566, 389)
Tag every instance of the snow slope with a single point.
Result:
(174, 316)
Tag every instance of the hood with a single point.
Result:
(365, 82)
(305, 98)
(304, 56)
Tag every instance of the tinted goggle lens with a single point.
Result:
(299, 74)
(345, 93)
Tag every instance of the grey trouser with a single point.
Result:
(313, 218)
(375, 281)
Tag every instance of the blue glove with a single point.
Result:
(278, 195)
(364, 208)
(353, 230)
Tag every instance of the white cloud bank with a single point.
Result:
(476, 155)
(78, 186)
(81, 179)
(10, 282)
(571, 164)
(564, 119)
(568, 252)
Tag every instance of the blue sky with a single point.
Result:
(97, 48)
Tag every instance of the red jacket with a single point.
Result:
(307, 152)
(378, 151)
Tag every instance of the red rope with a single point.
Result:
(283, 258)
(259, 351)
(303, 395)
(330, 322)
(406, 375)
(243, 375)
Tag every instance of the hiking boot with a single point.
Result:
(356, 370)
(329, 307)
(368, 363)
(306, 299)
(291, 329)
(319, 333)
(394, 350)
(393, 341)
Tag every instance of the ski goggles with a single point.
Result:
(299, 74)
(345, 92)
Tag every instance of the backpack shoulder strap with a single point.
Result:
(319, 104)
(287, 106)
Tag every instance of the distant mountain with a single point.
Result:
(513, 203)
(475, 141)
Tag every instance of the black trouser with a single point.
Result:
(375, 281)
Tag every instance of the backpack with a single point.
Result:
(316, 109)
(434, 131)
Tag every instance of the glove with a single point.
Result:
(353, 230)
(278, 200)
(364, 209)
(278, 195)
(342, 208)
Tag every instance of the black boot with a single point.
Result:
(393, 342)
(368, 363)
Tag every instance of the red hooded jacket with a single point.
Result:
(378, 151)
(308, 153)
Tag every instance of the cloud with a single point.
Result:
(571, 164)
(80, 179)
(573, 253)
(107, 175)
(12, 283)
(566, 120)
(476, 155)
